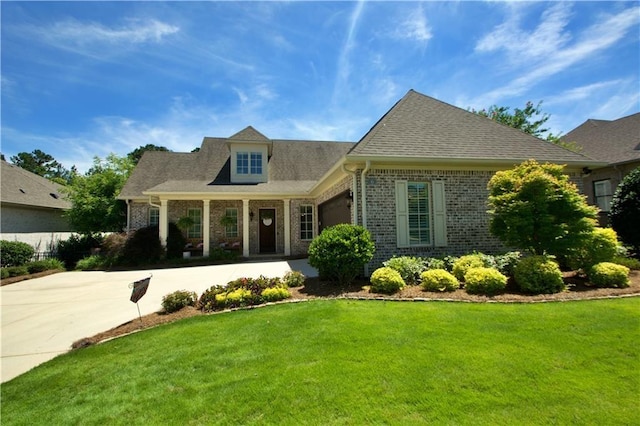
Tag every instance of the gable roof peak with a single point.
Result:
(249, 134)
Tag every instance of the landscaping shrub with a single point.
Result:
(409, 267)
(539, 275)
(449, 261)
(386, 280)
(15, 253)
(601, 246)
(236, 298)
(175, 242)
(44, 265)
(15, 271)
(625, 210)
(76, 247)
(91, 263)
(274, 294)
(207, 301)
(143, 247)
(177, 300)
(340, 252)
(607, 274)
(629, 262)
(112, 247)
(4, 273)
(218, 253)
(506, 263)
(293, 279)
(464, 263)
(439, 280)
(487, 281)
(436, 263)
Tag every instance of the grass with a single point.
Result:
(352, 362)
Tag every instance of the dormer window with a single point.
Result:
(249, 163)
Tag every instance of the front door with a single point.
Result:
(267, 230)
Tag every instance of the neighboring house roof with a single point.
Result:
(294, 166)
(613, 141)
(21, 187)
(424, 127)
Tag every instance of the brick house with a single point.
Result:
(616, 142)
(417, 181)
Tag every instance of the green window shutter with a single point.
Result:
(402, 214)
(439, 214)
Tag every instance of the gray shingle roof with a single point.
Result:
(294, 167)
(615, 141)
(421, 126)
(22, 187)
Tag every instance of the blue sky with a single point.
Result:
(85, 79)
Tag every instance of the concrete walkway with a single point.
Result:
(42, 317)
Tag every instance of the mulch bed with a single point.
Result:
(314, 288)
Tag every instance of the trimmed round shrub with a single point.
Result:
(629, 262)
(607, 274)
(177, 300)
(539, 275)
(340, 252)
(464, 263)
(487, 281)
(293, 279)
(439, 280)
(435, 263)
(91, 263)
(601, 246)
(15, 271)
(506, 263)
(275, 294)
(207, 301)
(15, 253)
(386, 280)
(409, 267)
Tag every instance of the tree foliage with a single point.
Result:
(93, 196)
(625, 210)
(136, 154)
(536, 208)
(43, 164)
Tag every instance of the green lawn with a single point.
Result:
(353, 362)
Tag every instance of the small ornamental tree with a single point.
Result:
(536, 208)
(625, 210)
(340, 252)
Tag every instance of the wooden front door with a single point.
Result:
(267, 230)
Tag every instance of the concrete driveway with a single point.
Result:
(42, 317)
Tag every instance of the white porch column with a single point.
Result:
(206, 224)
(287, 227)
(245, 228)
(164, 222)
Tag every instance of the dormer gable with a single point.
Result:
(250, 152)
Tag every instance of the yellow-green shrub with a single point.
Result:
(601, 246)
(487, 281)
(538, 275)
(386, 280)
(464, 263)
(607, 274)
(274, 294)
(438, 280)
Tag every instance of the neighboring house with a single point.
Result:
(616, 142)
(417, 181)
(31, 208)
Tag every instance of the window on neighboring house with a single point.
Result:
(231, 229)
(154, 216)
(195, 230)
(420, 214)
(306, 222)
(603, 194)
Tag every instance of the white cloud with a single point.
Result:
(582, 92)
(414, 27)
(344, 65)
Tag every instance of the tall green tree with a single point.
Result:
(625, 210)
(44, 165)
(136, 154)
(94, 207)
(536, 207)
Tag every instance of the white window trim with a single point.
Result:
(606, 198)
(226, 229)
(313, 215)
(249, 149)
(157, 210)
(437, 214)
(195, 225)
